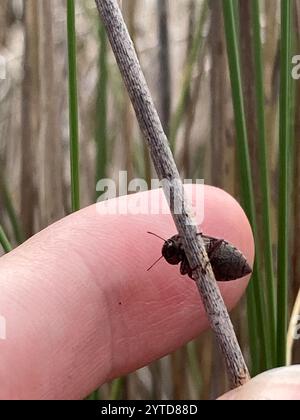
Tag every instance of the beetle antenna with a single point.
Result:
(156, 262)
(159, 237)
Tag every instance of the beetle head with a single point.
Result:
(170, 252)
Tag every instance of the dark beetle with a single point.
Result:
(228, 263)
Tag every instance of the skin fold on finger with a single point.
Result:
(278, 384)
(81, 308)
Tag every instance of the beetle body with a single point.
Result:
(228, 263)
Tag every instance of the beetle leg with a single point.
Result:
(184, 267)
(190, 272)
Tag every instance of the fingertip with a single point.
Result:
(274, 385)
(81, 295)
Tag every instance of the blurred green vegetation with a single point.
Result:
(220, 74)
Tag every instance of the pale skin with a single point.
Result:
(81, 309)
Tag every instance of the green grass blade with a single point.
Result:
(117, 387)
(12, 215)
(254, 346)
(283, 210)
(264, 176)
(6, 245)
(194, 366)
(101, 111)
(256, 299)
(95, 396)
(73, 106)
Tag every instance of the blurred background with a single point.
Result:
(182, 48)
